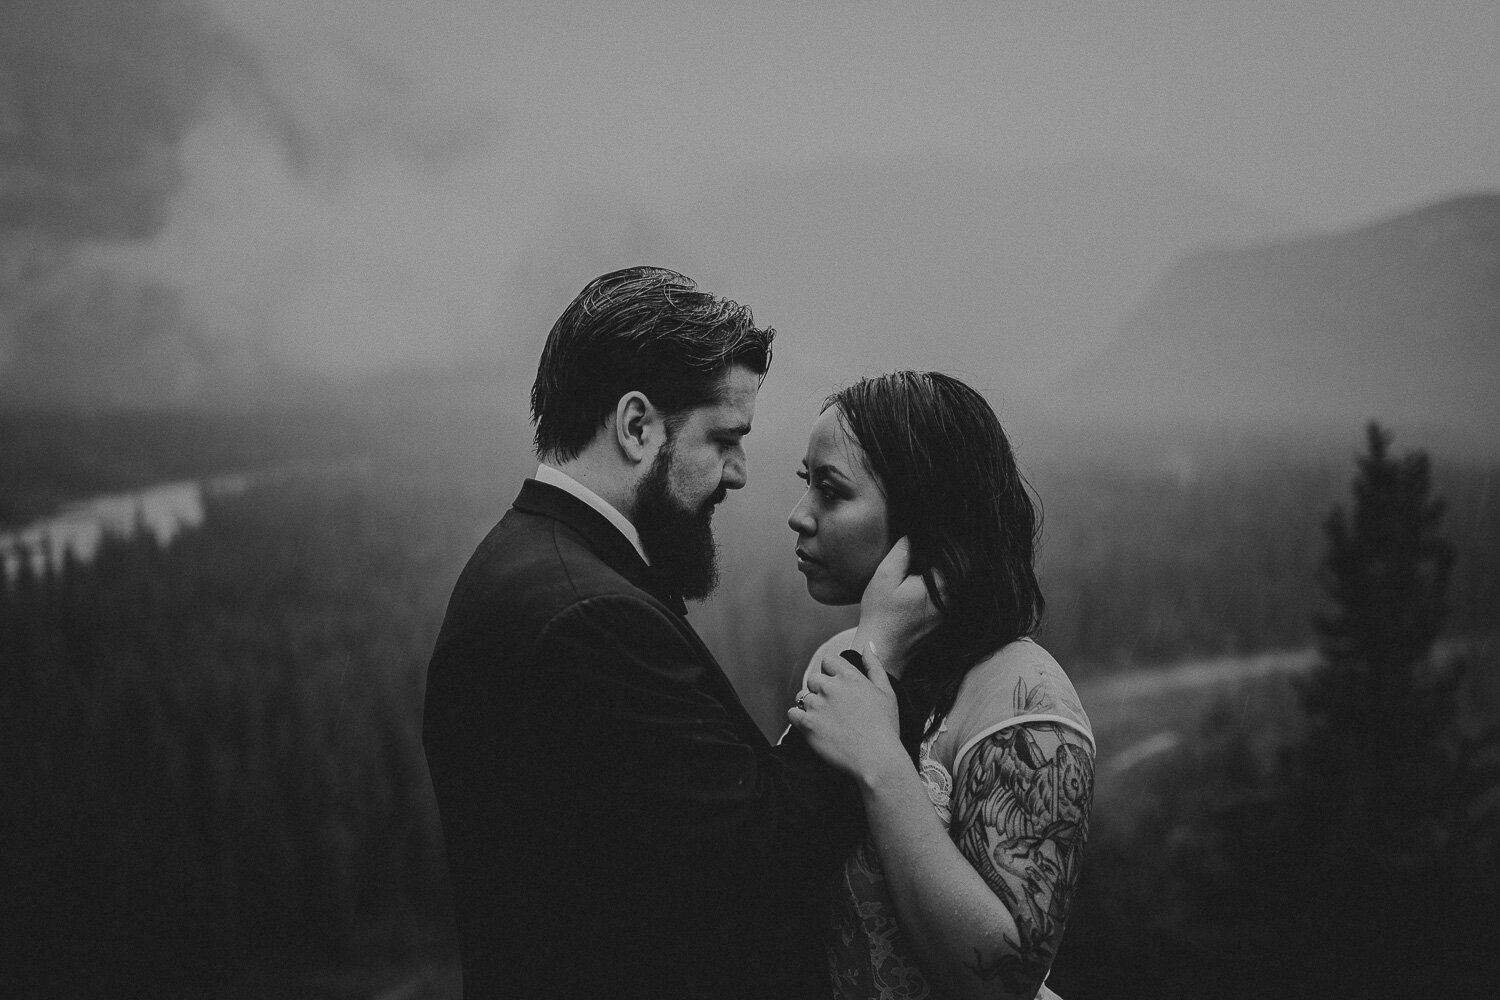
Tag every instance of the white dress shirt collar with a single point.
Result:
(556, 477)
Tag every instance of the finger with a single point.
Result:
(854, 658)
(897, 559)
(875, 669)
(833, 664)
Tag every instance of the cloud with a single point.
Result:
(204, 210)
(93, 98)
(354, 246)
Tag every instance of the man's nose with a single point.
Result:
(736, 473)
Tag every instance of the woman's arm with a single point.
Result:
(984, 909)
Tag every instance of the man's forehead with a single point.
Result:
(725, 417)
(735, 407)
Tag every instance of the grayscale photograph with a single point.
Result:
(749, 501)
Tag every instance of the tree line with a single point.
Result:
(211, 750)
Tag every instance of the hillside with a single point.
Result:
(1398, 320)
(1006, 275)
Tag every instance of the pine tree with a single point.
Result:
(1387, 570)
(1374, 764)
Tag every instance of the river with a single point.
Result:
(164, 509)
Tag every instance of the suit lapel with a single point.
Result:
(620, 555)
(604, 538)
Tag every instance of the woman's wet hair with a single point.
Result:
(952, 486)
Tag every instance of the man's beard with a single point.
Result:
(679, 542)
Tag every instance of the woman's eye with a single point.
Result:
(823, 488)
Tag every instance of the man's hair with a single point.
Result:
(952, 486)
(643, 329)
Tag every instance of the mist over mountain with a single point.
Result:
(196, 211)
(1397, 321)
(94, 99)
(1003, 276)
(1006, 275)
(191, 215)
(132, 129)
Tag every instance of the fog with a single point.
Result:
(274, 279)
(210, 200)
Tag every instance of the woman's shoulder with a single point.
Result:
(836, 643)
(1024, 658)
(1019, 683)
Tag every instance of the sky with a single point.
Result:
(401, 183)
(1329, 112)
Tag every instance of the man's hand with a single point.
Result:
(849, 717)
(895, 610)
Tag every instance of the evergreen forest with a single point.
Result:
(211, 749)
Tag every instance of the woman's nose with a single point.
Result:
(799, 520)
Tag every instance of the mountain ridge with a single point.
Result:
(1397, 320)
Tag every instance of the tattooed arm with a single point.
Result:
(984, 911)
(982, 908)
(1021, 818)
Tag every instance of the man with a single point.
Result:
(616, 824)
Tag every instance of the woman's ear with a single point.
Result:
(939, 574)
(637, 426)
(920, 560)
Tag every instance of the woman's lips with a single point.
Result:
(805, 561)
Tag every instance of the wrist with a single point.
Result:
(884, 771)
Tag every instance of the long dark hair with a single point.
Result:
(952, 486)
(641, 328)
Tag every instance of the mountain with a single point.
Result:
(1397, 321)
(1005, 275)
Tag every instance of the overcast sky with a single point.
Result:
(455, 150)
(1332, 112)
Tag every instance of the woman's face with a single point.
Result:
(842, 528)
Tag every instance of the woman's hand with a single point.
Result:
(849, 718)
(896, 609)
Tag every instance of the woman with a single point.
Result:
(977, 823)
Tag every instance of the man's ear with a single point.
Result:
(638, 427)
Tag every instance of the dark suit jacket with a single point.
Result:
(616, 823)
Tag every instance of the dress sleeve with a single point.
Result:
(1021, 684)
(1023, 772)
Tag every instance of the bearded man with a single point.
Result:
(616, 824)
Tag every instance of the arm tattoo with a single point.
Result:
(1021, 817)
